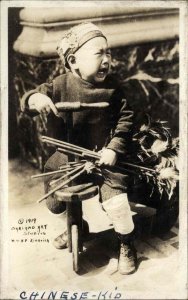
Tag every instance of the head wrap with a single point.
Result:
(75, 38)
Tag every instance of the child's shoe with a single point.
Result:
(61, 242)
(127, 258)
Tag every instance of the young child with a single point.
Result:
(85, 53)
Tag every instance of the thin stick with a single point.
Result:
(61, 185)
(93, 154)
(61, 145)
(83, 154)
(97, 156)
(65, 143)
(69, 152)
(71, 149)
(57, 180)
(72, 164)
(118, 168)
(51, 173)
(65, 175)
(139, 167)
(65, 168)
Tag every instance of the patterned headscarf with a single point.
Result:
(75, 38)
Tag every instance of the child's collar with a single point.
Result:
(83, 81)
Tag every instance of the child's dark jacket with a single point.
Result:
(92, 129)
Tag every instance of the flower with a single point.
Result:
(156, 149)
(168, 173)
(144, 127)
(159, 146)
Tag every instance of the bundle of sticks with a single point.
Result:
(88, 162)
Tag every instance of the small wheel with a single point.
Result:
(75, 247)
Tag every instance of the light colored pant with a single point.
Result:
(118, 210)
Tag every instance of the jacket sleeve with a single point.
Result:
(122, 123)
(45, 89)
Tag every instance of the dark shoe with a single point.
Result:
(61, 242)
(127, 259)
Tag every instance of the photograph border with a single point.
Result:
(183, 214)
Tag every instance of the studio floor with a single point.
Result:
(36, 266)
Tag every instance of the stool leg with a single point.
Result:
(69, 224)
(76, 232)
(77, 218)
(75, 247)
(80, 226)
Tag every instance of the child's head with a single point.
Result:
(84, 50)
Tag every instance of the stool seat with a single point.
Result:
(77, 192)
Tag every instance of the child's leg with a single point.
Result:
(115, 203)
(52, 164)
(118, 209)
(58, 207)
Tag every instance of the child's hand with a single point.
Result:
(108, 157)
(42, 103)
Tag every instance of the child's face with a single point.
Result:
(93, 60)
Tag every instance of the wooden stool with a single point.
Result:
(73, 196)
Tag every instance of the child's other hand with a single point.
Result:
(108, 157)
(42, 103)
